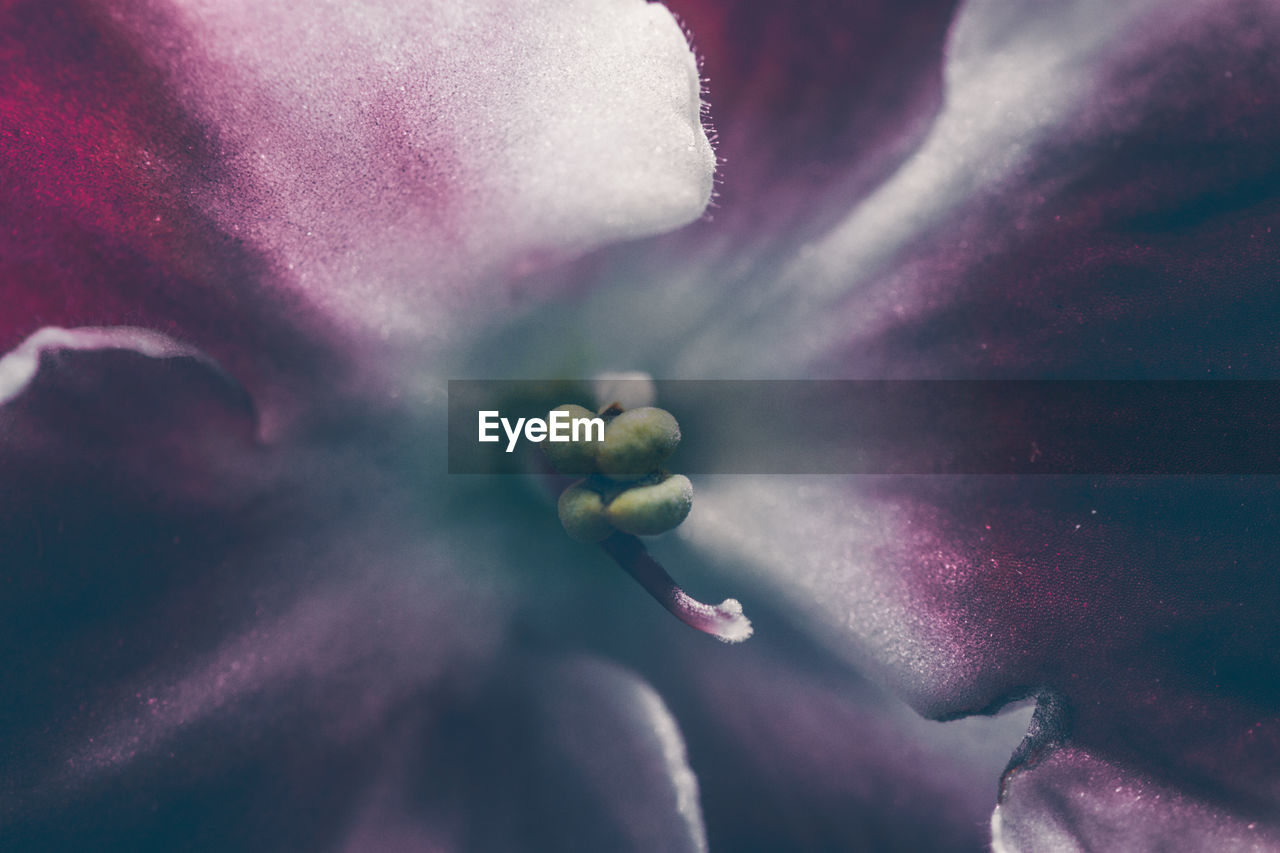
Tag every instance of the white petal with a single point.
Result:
(389, 157)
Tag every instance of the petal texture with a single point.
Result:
(575, 755)
(1073, 802)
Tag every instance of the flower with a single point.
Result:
(247, 610)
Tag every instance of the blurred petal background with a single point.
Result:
(245, 609)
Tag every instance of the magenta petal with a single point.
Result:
(813, 102)
(100, 168)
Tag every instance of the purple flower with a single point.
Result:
(245, 245)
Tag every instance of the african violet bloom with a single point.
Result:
(245, 609)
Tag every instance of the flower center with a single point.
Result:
(625, 493)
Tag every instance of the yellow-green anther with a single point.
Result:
(573, 457)
(647, 510)
(637, 442)
(583, 514)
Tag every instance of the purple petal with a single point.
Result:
(1147, 606)
(796, 753)
(1084, 198)
(1073, 800)
(269, 646)
(812, 102)
(582, 755)
(125, 403)
(179, 595)
(1092, 201)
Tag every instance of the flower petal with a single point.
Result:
(1073, 800)
(128, 403)
(1090, 201)
(288, 187)
(99, 227)
(1147, 607)
(584, 722)
(178, 593)
(1093, 199)
(576, 755)
(1106, 217)
(795, 752)
(813, 101)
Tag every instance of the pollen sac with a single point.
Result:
(573, 456)
(651, 508)
(637, 442)
(582, 513)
